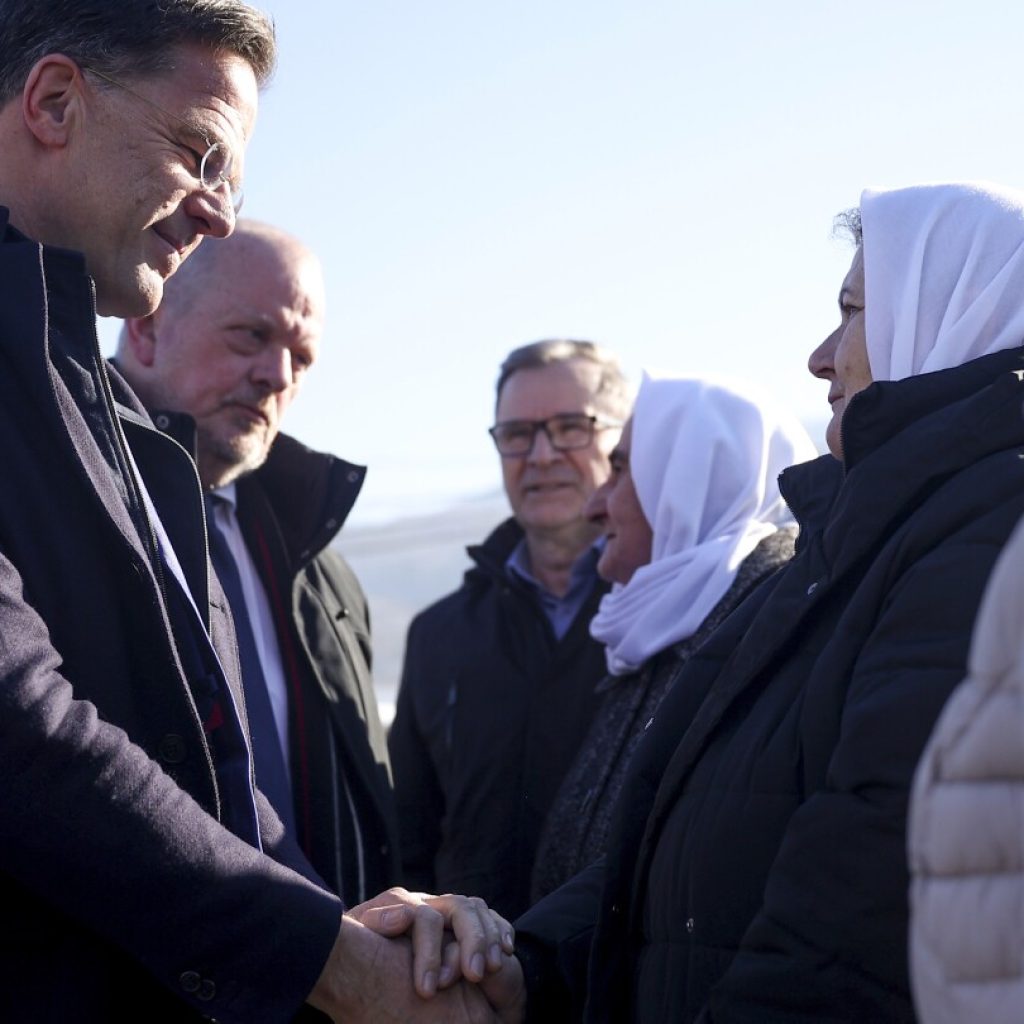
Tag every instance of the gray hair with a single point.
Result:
(612, 389)
(848, 223)
(128, 37)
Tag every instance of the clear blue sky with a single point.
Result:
(658, 176)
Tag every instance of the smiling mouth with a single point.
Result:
(544, 488)
(174, 254)
(181, 249)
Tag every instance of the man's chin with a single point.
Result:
(561, 505)
(140, 297)
(222, 464)
(550, 520)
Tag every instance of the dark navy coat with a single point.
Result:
(121, 894)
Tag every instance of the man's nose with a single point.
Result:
(211, 212)
(542, 450)
(273, 368)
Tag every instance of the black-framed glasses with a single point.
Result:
(213, 167)
(567, 432)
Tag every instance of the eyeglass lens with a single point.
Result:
(215, 172)
(566, 432)
(215, 166)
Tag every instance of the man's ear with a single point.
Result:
(52, 99)
(140, 338)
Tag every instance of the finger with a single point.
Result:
(505, 990)
(477, 1009)
(388, 898)
(451, 969)
(427, 940)
(508, 936)
(387, 921)
(500, 935)
(483, 933)
(476, 933)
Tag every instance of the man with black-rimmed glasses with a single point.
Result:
(498, 686)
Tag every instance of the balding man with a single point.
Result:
(230, 345)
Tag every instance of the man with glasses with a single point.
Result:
(141, 874)
(498, 686)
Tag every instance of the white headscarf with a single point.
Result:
(705, 458)
(944, 275)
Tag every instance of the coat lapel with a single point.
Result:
(170, 477)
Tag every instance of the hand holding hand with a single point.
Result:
(367, 980)
(452, 936)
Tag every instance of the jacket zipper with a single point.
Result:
(152, 544)
(150, 534)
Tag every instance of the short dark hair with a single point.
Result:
(848, 223)
(612, 387)
(128, 37)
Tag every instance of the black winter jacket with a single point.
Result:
(491, 712)
(290, 510)
(757, 870)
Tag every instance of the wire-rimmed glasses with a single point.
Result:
(214, 166)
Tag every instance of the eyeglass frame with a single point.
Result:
(236, 194)
(594, 422)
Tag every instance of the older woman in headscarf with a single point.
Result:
(756, 869)
(693, 520)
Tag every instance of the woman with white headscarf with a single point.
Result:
(693, 520)
(756, 866)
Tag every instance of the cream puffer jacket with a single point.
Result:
(966, 831)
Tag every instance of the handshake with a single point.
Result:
(409, 957)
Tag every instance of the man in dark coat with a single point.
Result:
(498, 687)
(239, 326)
(141, 873)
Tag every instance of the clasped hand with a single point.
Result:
(410, 956)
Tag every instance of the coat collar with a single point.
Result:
(490, 557)
(49, 341)
(948, 419)
(311, 493)
(886, 409)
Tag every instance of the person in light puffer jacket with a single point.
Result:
(966, 829)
